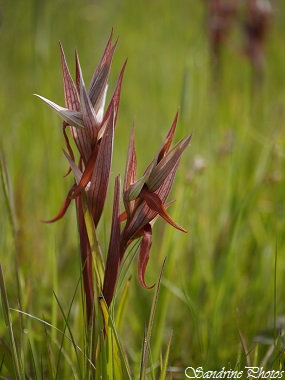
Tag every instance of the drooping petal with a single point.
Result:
(96, 194)
(164, 167)
(73, 118)
(64, 207)
(113, 259)
(87, 174)
(154, 203)
(144, 254)
(123, 216)
(70, 151)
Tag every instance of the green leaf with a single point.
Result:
(121, 307)
(6, 357)
(8, 321)
(117, 365)
(165, 361)
(146, 343)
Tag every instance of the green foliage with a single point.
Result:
(224, 279)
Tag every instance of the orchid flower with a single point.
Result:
(91, 129)
(144, 200)
(93, 132)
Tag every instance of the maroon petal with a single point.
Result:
(96, 194)
(116, 95)
(168, 139)
(88, 112)
(143, 214)
(70, 151)
(70, 92)
(113, 259)
(87, 174)
(164, 190)
(130, 173)
(154, 203)
(72, 102)
(144, 254)
(165, 166)
(101, 74)
(140, 217)
(64, 207)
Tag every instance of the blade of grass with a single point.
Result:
(66, 356)
(65, 327)
(146, 344)
(69, 330)
(121, 309)
(118, 351)
(112, 364)
(6, 357)
(165, 362)
(275, 291)
(35, 376)
(58, 330)
(11, 214)
(126, 264)
(50, 357)
(7, 193)
(8, 321)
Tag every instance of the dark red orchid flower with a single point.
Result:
(144, 200)
(93, 134)
(91, 129)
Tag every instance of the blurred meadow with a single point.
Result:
(222, 290)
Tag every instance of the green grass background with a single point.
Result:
(221, 276)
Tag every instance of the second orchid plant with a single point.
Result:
(144, 199)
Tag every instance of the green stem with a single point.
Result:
(97, 256)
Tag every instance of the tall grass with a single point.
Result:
(220, 280)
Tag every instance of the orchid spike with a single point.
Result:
(89, 125)
(92, 129)
(144, 201)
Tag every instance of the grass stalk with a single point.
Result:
(17, 365)
(146, 342)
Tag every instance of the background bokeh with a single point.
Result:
(227, 274)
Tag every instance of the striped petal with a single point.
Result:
(71, 117)
(155, 203)
(96, 194)
(70, 93)
(88, 112)
(144, 254)
(113, 258)
(164, 167)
